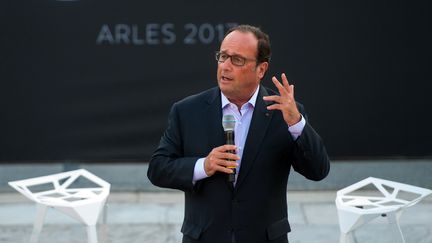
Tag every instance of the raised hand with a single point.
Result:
(284, 102)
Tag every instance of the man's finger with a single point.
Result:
(279, 86)
(274, 98)
(226, 147)
(274, 107)
(225, 164)
(228, 164)
(230, 156)
(285, 81)
(224, 170)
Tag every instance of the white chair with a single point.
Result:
(357, 206)
(79, 194)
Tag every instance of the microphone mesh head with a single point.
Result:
(228, 122)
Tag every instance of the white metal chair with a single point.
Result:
(79, 194)
(357, 206)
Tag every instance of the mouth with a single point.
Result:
(226, 78)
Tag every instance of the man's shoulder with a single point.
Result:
(203, 97)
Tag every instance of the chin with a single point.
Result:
(223, 86)
(226, 90)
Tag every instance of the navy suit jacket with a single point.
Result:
(255, 210)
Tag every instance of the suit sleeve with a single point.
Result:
(168, 168)
(309, 153)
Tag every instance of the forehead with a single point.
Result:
(242, 43)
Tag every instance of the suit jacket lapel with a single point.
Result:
(260, 120)
(213, 115)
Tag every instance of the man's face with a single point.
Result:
(238, 83)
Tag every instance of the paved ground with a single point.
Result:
(156, 218)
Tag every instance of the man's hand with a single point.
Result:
(217, 160)
(284, 102)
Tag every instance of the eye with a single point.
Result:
(237, 59)
(223, 56)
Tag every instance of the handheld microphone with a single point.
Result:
(228, 124)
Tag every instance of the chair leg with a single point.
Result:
(91, 234)
(103, 226)
(393, 219)
(37, 225)
(347, 238)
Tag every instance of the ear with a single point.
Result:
(262, 69)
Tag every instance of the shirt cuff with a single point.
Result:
(297, 128)
(199, 172)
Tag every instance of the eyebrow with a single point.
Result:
(234, 54)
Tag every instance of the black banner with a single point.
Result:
(94, 80)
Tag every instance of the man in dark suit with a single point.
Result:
(271, 136)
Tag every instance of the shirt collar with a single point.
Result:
(251, 101)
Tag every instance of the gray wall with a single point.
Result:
(133, 177)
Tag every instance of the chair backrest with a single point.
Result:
(388, 196)
(64, 189)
